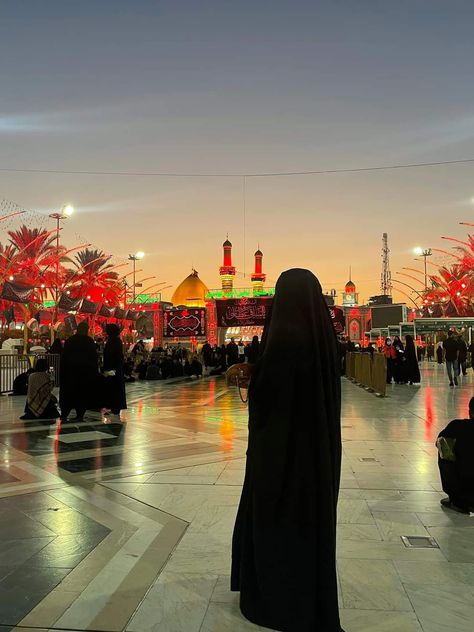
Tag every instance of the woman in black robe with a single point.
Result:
(410, 365)
(116, 398)
(253, 350)
(284, 544)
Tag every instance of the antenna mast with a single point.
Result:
(386, 276)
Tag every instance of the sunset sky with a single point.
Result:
(221, 87)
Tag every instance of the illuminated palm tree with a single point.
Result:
(94, 277)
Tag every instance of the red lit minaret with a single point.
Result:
(227, 270)
(258, 278)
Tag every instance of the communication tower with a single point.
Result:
(386, 276)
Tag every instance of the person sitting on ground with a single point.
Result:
(456, 463)
(153, 371)
(128, 370)
(141, 369)
(193, 368)
(40, 401)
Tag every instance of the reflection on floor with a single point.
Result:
(126, 526)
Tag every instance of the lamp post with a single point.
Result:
(134, 258)
(66, 212)
(425, 253)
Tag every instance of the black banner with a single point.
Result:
(106, 311)
(88, 307)
(70, 322)
(69, 304)
(17, 293)
(183, 323)
(242, 312)
(119, 313)
(338, 319)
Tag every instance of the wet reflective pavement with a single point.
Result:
(112, 526)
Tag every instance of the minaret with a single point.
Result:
(258, 277)
(350, 297)
(227, 270)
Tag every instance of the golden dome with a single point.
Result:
(190, 292)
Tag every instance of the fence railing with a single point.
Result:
(368, 370)
(13, 365)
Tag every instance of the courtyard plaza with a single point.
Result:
(111, 526)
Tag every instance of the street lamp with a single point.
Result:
(66, 211)
(425, 253)
(136, 257)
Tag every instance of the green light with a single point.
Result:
(47, 304)
(240, 293)
(148, 298)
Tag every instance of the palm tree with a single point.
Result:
(35, 258)
(94, 277)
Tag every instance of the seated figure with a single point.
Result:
(40, 401)
(456, 463)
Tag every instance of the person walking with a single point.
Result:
(284, 542)
(439, 353)
(78, 374)
(241, 351)
(207, 355)
(232, 353)
(115, 398)
(451, 353)
(462, 356)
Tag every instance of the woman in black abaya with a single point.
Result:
(284, 544)
(410, 365)
(116, 398)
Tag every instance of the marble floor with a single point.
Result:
(115, 527)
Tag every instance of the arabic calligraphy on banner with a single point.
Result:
(338, 319)
(242, 312)
(184, 323)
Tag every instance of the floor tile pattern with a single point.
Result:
(127, 526)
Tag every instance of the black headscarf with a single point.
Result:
(285, 535)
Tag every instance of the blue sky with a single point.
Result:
(242, 87)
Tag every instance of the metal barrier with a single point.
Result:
(368, 371)
(13, 365)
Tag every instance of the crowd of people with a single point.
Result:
(402, 361)
(93, 373)
(403, 358)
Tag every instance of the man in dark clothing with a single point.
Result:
(207, 354)
(451, 349)
(232, 353)
(456, 463)
(79, 374)
(462, 357)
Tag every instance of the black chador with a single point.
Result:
(284, 544)
(410, 365)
